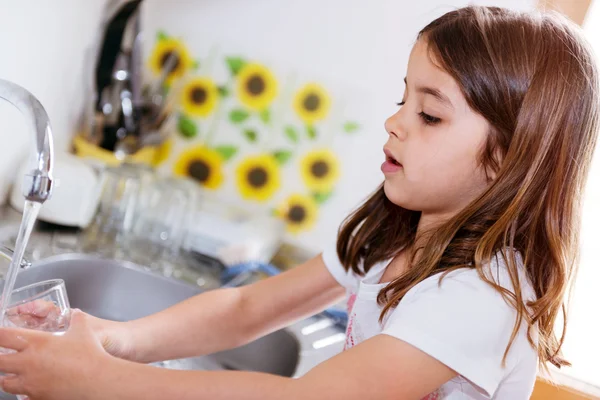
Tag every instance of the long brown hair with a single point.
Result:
(534, 79)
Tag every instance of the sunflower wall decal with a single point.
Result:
(200, 97)
(256, 89)
(299, 212)
(165, 48)
(320, 170)
(312, 103)
(247, 129)
(201, 163)
(258, 177)
(256, 86)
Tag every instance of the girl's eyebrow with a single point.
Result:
(441, 97)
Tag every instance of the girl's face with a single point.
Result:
(434, 142)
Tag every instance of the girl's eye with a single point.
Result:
(400, 104)
(429, 119)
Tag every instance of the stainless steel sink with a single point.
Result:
(122, 291)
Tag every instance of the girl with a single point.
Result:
(455, 268)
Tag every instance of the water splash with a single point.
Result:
(30, 213)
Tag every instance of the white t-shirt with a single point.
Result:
(464, 323)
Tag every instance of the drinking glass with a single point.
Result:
(166, 208)
(42, 306)
(119, 201)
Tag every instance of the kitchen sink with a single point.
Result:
(122, 291)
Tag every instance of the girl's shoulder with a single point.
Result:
(465, 322)
(485, 281)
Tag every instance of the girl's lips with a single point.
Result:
(388, 167)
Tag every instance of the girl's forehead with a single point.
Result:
(424, 71)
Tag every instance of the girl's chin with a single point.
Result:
(393, 193)
(397, 196)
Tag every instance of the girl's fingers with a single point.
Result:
(11, 384)
(37, 308)
(11, 363)
(15, 339)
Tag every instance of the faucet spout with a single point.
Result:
(38, 182)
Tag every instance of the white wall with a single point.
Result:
(42, 45)
(363, 44)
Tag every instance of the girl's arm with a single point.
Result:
(380, 368)
(225, 318)
(74, 366)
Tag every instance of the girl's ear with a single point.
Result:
(491, 171)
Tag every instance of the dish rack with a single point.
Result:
(232, 235)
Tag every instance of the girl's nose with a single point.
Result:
(393, 126)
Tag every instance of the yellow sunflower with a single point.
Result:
(162, 152)
(199, 97)
(299, 212)
(256, 86)
(320, 170)
(312, 103)
(258, 177)
(202, 164)
(163, 50)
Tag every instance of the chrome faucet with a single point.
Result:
(126, 115)
(38, 182)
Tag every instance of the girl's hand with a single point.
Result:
(114, 336)
(52, 367)
(42, 316)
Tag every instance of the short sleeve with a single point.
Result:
(463, 323)
(335, 267)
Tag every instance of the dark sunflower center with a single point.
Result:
(199, 170)
(297, 214)
(319, 169)
(257, 177)
(255, 85)
(198, 95)
(165, 58)
(312, 102)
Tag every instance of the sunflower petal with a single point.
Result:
(186, 127)
(226, 151)
(235, 64)
(282, 156)
(351, 127)
(238, 115)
